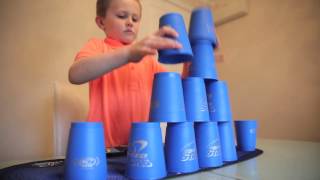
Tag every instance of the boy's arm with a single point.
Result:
(90, 68)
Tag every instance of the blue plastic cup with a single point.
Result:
(195, 99)
(167, 103)
(86, 157)
(180, 148)
(173, 56)
(246, 133)
(227, 141)
(218, 101)
(202, 26)
(203, 63)
(145, 152)
(208, 144)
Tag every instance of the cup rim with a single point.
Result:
(185, 123)
(189, 78)
(86, 124)
(197, 123)
(161, 74)
(201, 8)
(246, 122)
(171, 14)
(145, 124)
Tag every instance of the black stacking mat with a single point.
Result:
(53, 169)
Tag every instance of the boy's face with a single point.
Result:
(122, 20)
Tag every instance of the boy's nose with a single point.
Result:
(129, 23)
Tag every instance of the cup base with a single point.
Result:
(175, 58)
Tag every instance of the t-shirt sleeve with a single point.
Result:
(185, 70)
(93, 47)
(156, 66)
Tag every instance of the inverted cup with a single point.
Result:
(195, 99)
(246, 133)
(208, 144)
(173, 56)
(86, 158)
(202, 26)
(167, 103)
(227, 141)
(145, 152)
(218, 101)
(203, 63)
(180, 148)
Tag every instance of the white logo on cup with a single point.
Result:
(213, 149)
(211, 104)
(136, 157)
(189, 152)
(204, 105)
(87, 162)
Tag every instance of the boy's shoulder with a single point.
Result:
(94, 43)
(95, 40)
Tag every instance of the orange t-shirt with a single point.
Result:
(121, 96)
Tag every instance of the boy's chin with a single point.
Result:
(127, 40)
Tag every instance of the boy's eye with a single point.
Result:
(122, 16)
(135, 18)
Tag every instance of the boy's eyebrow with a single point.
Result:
(126, 11)
(138, 15)
(122, 11)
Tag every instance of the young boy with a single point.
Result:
(119, 70)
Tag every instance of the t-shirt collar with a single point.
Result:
(113, 42)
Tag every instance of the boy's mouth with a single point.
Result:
(129, 31)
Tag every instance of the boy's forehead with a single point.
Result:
(125, 4)
(132, 6)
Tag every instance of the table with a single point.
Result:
(282, 159)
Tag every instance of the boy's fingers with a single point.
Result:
(150, 51)
(218, 44)
(167, 31)
(164, 43)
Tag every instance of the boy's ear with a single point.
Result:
(100, 22)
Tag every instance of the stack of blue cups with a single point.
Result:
(167, 103)
(145, 152)
(196, 109)
(206, 131)
(203, 40)
(220, 111)
(85, 157)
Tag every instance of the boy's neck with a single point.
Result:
(113, 42)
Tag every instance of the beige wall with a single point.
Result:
(272, 67)
(39, 39)
(272, 57)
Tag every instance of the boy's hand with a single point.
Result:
(152, 43)
(218, 54)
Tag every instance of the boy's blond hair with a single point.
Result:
(103, 5)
